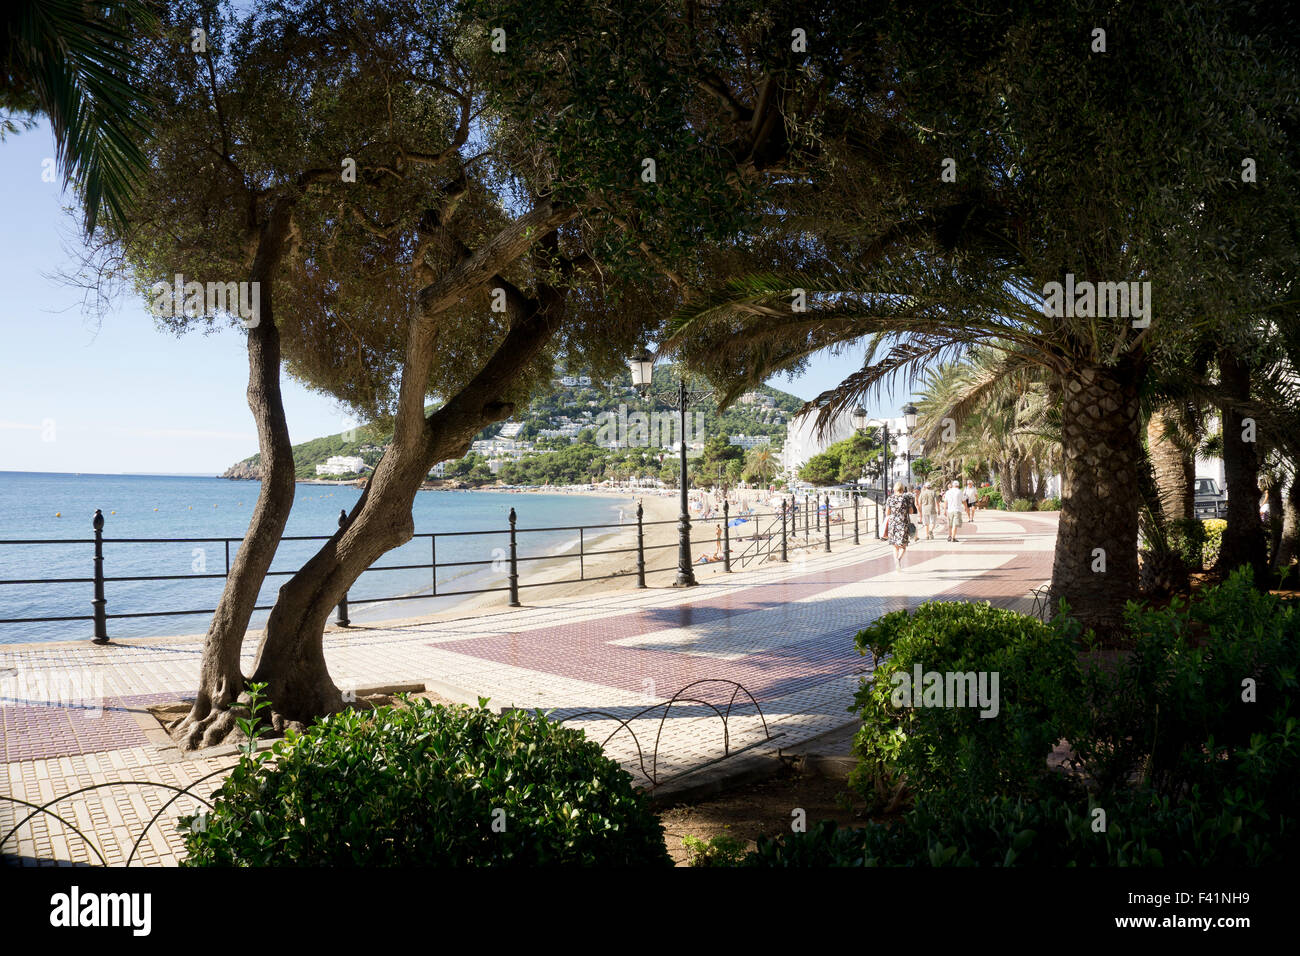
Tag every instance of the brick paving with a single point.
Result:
(73, 715)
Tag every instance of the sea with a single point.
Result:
(138, 509)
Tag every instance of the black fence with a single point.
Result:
(803, 521)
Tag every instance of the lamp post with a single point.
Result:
(909, 418)
(642, 367)
(860, 423)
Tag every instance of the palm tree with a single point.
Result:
(915, 280)
(762, 463)
(990, 409)
(72, 62)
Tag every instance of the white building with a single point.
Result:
(342, 465)
(749, 441)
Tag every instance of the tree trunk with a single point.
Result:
(1275, 519)
(291, 657)
(1289, 547)
(1096, 568)
(1243, 540)
(1005, 482)
(1025, 475)
(1175, 470)
(220, 680)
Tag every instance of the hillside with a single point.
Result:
(566, 412)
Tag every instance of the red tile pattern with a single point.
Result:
(585, 650)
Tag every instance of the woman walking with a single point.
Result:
(898, 521)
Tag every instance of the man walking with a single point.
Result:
(952, 499)
(929, 508)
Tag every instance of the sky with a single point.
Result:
(120, 396)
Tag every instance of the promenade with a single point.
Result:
(782, 632)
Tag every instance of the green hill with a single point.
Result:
(572, 408)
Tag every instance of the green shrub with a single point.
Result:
(951, 753)
(1214, 528)
(1022, 504)
(428, 784)
(1172, 712)
(1142, 829)
(721, 850)
(1050, 504)
(1186, 538)
(989, 498)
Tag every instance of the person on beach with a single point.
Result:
(929, 506)
(898, 521)
(953, 504)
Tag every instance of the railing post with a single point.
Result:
(726, 536)
(98, 603)
(433, 561)
(855, 520)
(582, 564)
(514, 563)
(343, 602)
(828, 524)
(807, 528)
(784, 509)
(817, 513)
(640, 548)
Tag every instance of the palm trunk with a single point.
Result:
(1289, 547)
(1175, 470)
(1096, 568)
(1005, 483)
(1243, 540)
(1275, 519)
(220, 680)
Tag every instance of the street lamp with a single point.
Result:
(642, 367)
(909, 418)
(860, 421)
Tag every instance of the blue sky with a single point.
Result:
(78, 395)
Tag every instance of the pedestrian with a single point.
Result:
(969, 497)
(898, 521)
(952, 500)
(718, 538)
(929, 506)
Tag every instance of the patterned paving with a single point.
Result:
(68, 712)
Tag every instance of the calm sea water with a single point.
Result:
(149, 506)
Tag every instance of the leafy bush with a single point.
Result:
(1187, 539)
(989, 498)
(1050, 504)
(1142, 829)
(1022, 504)
(721, 850)
(951, 753)
(1190, 743)
(1172, 712)
(1214, 528)
(428, 784)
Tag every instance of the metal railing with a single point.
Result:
(802, 521)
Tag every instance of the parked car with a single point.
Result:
(1211, 502)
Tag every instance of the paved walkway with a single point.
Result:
(73, 715)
